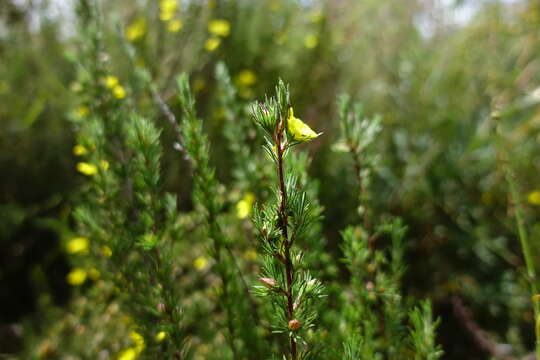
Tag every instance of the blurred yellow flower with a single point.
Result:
(212, 43)
(128, 354)
(82, 111)
(104, 164)
(106, 251)
(86, 168)
(167, 9)
(219, 27)
(76, 277)
(136, 29)
(246, 78)
(79, 150)
(77, 245)
(160, 336)
(119, 92)
(311, 41)
(138, 340)
(175, 25)
(245, 206)
(299, 130)
(534, 198)
(200, 263)
(111, 81)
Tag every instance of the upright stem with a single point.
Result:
(283, 224)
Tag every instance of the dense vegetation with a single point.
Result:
(273, 179)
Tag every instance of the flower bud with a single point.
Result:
(294, 325)
(269, 283)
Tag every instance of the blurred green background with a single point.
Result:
(434, 71)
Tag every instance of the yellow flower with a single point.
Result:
(86, 168)
(160, 336)
(136, 29)
(167, 8)
(212, 43)
(245, 206)
(138, 340)
(128, 354)
(200, 263)
(79, 150)
(82, 111)
(219, 27)
(311, 41)
(77, 245)
(111, 81)
(246, 78)
(299, 130)
(534, 197)
(106, 251)
(104, 164)
(119, 92)
(76, 276)
(175, 25)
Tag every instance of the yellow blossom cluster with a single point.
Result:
(534, 198)
(77, 245)
(112, 83)
(244, 207)
(133, 352)
(136, 29)
(218, 28)
(167, 13)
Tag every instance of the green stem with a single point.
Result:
(283, 221)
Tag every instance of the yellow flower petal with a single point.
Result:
(219, 27)
(77, 245)
(160, 336)
(167, 9)
(246, 78)
(299, 130)
(136, 29)
(200, 263)
(174, 25)
(138, 340)
(79, 150)
(111, 81)
(128, 354)
(212, 43)
(245, 206)
(76, 277)
(534, 198)
(86, 168)
(119, 92)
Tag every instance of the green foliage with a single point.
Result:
(142, 219)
